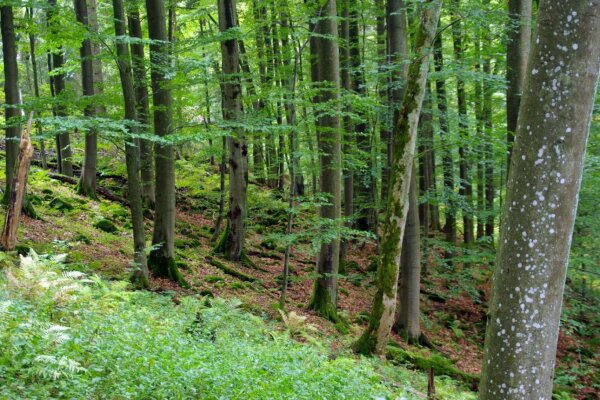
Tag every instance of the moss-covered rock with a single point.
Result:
(61, 204)
(106, 226)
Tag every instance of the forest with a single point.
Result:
(300, 199)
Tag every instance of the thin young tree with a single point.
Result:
(162, 257)
(541, 203)
(232, 241)
(375, 337)
(324, 296)
(132, 157)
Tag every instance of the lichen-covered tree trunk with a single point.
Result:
(143, 108)
(375, 337)
(12, 96)
(87, 181)
(132, 158)
(541, 203)
(161, 259)
(518, 44)
(232, 243)
(324, 297)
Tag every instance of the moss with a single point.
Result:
(206, 293)
(231, 271)
(237, 285)
(80, 237)
(423, 362)
(322, 303)
(61, 204)
(106, 225)
(213, 279)
(165, 267)
(22, 249)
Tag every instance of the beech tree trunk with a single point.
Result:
(465, 188)
(63, 140)
(447, 162)
(87, 182)
(518, 44)
(161, 259)
(232, 242)
(541, 204)
(324, 297)
(143, 108)
(375, 337)
(132, 157)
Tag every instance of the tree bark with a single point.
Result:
(8, 239)
(12, 95)
(465, 189)
(447, 162)
(518, 44)
(87, 182)
(63, 140)
(161, 259)
(324, 297)
(540, 208)
(143, 108)
(132, 157)
(36, 89)
(232, 242)
(375, 337)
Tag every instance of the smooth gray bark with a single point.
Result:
(541, 204)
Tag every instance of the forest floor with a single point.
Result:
(452, 302)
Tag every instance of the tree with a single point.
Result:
(143, 108)
(11, 94)
(132, 157)
(57, 87)
(517, 50)
(324, 297)
(540, 208)
(232, 242)
(375, 337)
(87, 183)
(161, 259)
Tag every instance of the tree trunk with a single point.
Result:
(232, 242)
(87, 182)
(161, 258)
(63, 140)
(12, 95)
(539, 213)
(132, 157)
(375, 337)
(488, 150)
(36, 89)
(324, 297)
(518, 44)
(465, 190)
(143, 109)
(408, 316)
(348, 174)
(8, 239)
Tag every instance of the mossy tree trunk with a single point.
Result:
(143, 108)
(541, 203)
(132, 157)
(161, 258)
(232, 243)
(87, 181)
(324, 297)
(375, 337)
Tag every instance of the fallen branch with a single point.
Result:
(107, 194)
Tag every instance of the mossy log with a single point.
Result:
(231, 271)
